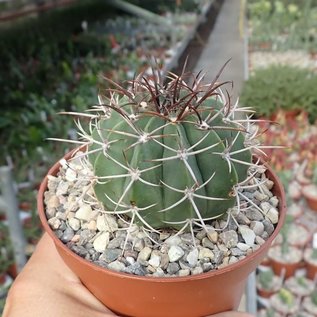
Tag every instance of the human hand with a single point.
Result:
(47, 287)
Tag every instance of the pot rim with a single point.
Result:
(231, 267)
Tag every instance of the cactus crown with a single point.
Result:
(169, 154)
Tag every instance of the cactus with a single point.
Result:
(169, 154)
(286, 297)
(301, 280)
(266, 278)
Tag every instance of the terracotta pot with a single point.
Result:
(288, 268)
(265, 293)
(311, 267)
(311, 270)
(191, 296)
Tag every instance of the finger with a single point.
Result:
(46, 262)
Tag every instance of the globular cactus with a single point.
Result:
(168, 155)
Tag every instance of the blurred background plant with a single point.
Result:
(283, 25)
(56, 62)
(281, 87)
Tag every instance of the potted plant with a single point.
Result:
(268, 283)
(310, 303)
(284, 258)
(299, 285)
(156, 205)
(298, 234)
(284, 302)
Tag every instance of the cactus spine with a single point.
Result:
(168, 154)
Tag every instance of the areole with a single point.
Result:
(191, 296)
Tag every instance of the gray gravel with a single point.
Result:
(80, 221)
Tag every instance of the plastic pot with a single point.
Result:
(190, 296)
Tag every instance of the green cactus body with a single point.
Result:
(166, 167)
(266, 279)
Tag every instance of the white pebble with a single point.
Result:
(144, 254)
(91, 225)
(101, 241)
(116, 266)
(260, 196)
(106, 223)
(130, 260)
(274, 201)
(74, 223)
(206, 253)
(173, 240)
(53, 202)
(197, 270)
(192, 257)
(273, 215)
(54, 223)
(212, 236)
(259, 240)
(233, 259)
(175, 253)
(184, 272)
(155, 260)
(70, 175)
(257, 227)
(248, 235)
(265, 206)
(62, 188)
(243, 246)
(84, 213)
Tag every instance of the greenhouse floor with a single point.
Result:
(226, 42)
